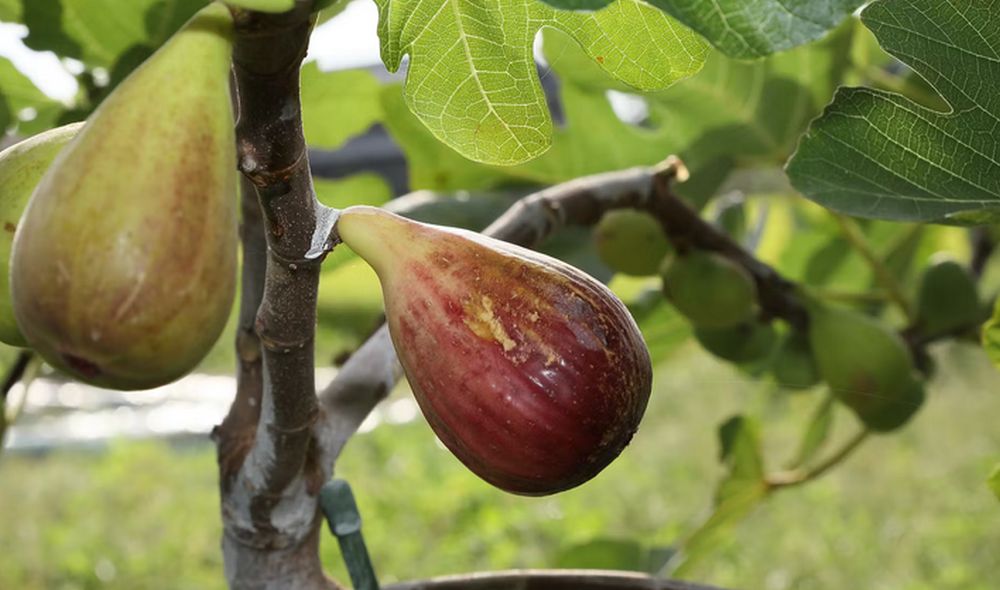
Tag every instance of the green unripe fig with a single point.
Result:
(746, 342)
(867, 365)
(124, 264)
(711, 290)
(794, 366)
(947, 299)
(21, 167)
(631, 242)
(904, 406)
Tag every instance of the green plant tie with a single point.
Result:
(341, 512)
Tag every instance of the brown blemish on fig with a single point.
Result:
(82, 366)
(9, 227)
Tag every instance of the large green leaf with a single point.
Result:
(19, 96)
(877, 154)
(755, 28)
(747, 111)
(472, 79)
(739, 492)
(754, 110)
(338, 105)
(99, 32)
(10, 11)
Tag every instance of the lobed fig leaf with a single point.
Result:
(867, 366)
(123, 267)
(711, 290)
(530, 371)
(631, 242)
(21, 168)
(947, 299)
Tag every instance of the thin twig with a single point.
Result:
(852, 297)
(854, 236)
(16, 371)
(235, 435)
(786, 479)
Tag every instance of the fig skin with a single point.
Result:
(867, 366)
(947, 299)
(710, 290)
(746, 342)
(530, 371)
(123, 268)
(631, 242)
(794, 366)
(22, 166)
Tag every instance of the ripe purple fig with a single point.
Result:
(530, 371)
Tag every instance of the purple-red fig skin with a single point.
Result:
(530, 371)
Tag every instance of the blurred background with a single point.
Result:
(105, 489)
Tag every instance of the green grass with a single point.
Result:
(909, 512)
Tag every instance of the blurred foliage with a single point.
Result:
(908, 512)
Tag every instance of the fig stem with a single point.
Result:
(795, 477)
(24, 370)
(275, 462)
(855, 298)
(235, 435)
(857, 240)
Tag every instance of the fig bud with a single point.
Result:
(867, 366)
(631, 242)
(794, 366)
(123, 267)
(530, 371)
(947, 299)
(746, 342)
(710, 290)
(21, 167)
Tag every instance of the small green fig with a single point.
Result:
(746, 342)
(947, 299)
(530, 371)
(21, 167)
(123, 267)
(867, 365)
(794, 366)
(631, 242)
(711, 290)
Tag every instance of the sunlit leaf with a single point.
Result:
(877, 154)
(338, 105)
(755, 28)
(472, 79)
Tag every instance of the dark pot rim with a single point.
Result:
(577, 579)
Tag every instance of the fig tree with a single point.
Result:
(709, 289)
(123, 267)
(530, 371)
(21, 167)
(631, 242)
(947, 299)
